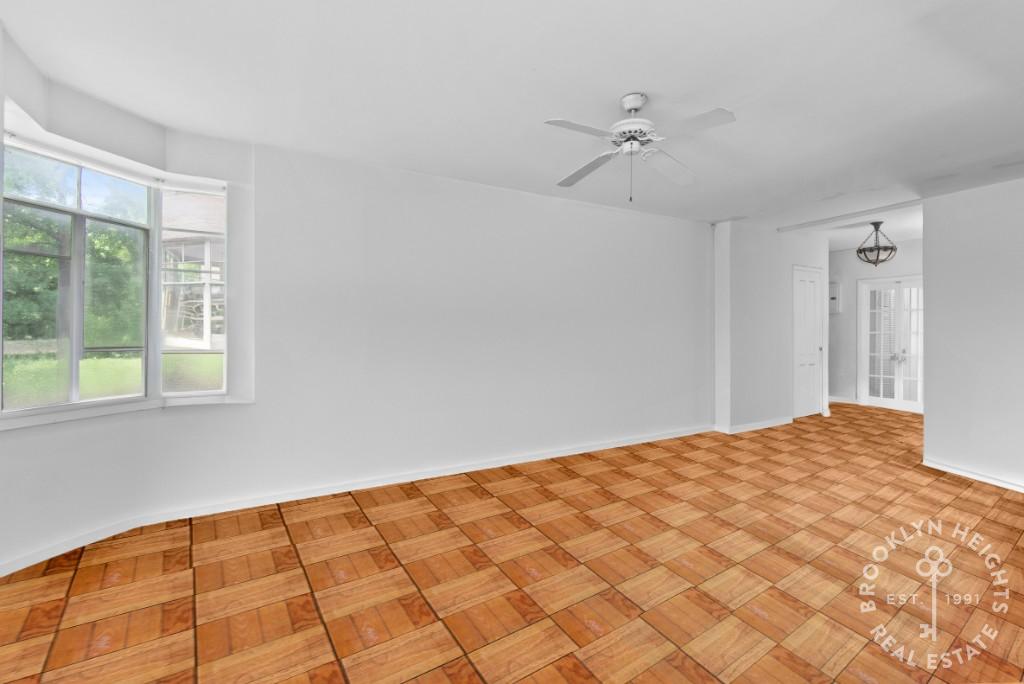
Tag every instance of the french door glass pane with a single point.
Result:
(34, 177)
(36, 307)
(108, 374)
(115, 286)
(114, 197)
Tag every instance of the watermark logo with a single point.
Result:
(932, 568)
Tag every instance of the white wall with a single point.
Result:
(761, 333)
(974, 327)
(404, 324)
(846, 269)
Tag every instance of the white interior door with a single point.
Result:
(890, 360)
(808, 341)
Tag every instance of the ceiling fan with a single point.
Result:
(634, 136)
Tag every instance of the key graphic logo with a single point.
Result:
(935, 594)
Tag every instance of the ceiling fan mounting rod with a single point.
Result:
(633, 102)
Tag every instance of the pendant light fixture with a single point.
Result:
(877, 248)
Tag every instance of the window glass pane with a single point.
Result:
(194, 211)
(34, 177)
(189, 253)
(36, 325)
(36, 230)
(115, 197)
(187, 372)
(110, 374)
(115, 286)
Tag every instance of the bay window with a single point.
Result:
(87, 255)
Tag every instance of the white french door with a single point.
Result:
(890, 359)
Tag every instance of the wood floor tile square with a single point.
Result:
(443, 484)
(565, 589)
(735, 586)
(538, 565)
(872, 664)
(317, 507)
(232, 635)
(404, 657)
(122, 599)
(495, 526)
(468, 590)
(447, 566)
(729, 648)
(522, 653)
(596, 616)
(544, 512)
(353, 566)
(686, 616)
(379, 623)
(402, 529)
(708, 529)
(825, 644)
(490, 620)
(128, 547)
(652, 587)
(514, 545)
(236, 598)
(337, 545)
(773, 563)
(25, 658)
(428, 545)
(593, 545)
(399, 510)
(621, 564)
(467, 513)
(146, 662)
(625, 653)
(566, 670)
(812, 586)
(699, 564)
(667, 545)
(739, 545)
(348, 598)
(779, 665)
(774, 613)
(613, 513)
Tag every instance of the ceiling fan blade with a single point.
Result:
(668, 166)
(580, 128)
(587, 169)
(701, 122)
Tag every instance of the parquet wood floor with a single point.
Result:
(700, 559)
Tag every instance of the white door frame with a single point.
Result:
(823, 356)
(863, 285)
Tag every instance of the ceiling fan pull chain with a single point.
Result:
(630, 178)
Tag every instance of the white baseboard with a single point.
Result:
(842, 400)
(759, 425)
(980, 477)
(9, 565)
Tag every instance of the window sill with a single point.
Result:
(62, 414)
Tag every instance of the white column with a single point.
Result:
(723, 325)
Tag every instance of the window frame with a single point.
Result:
(152, 395)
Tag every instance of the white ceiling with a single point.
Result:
(864, 101)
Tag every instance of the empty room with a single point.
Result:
(490, 342)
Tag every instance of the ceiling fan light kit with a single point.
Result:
(634, 136)
(877, 248)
